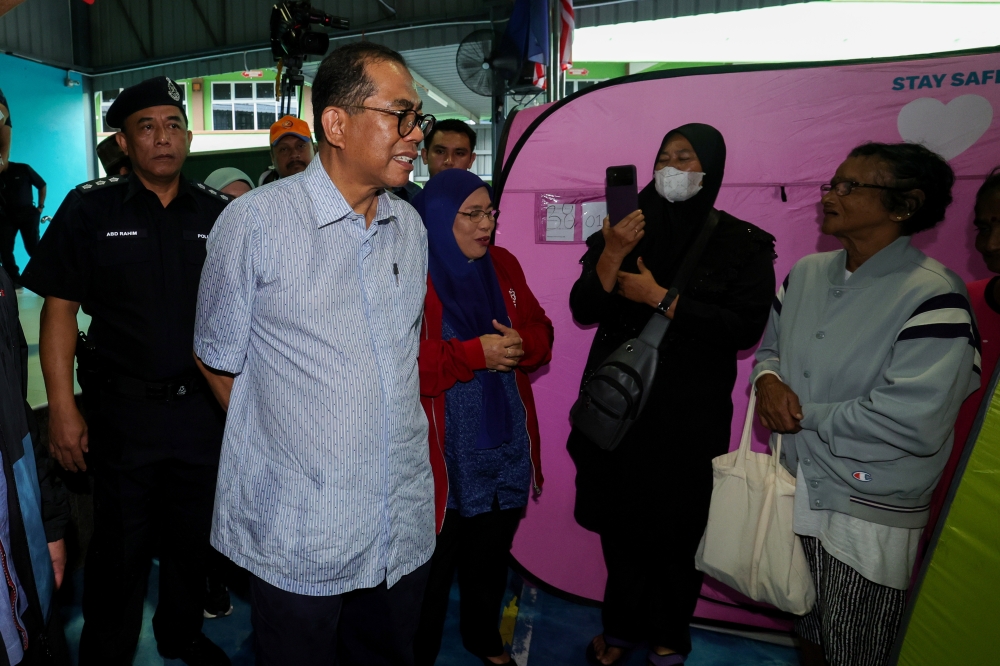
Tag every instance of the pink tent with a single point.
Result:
(787, 130)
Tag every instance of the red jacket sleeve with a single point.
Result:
(534, 327)
(442, 363)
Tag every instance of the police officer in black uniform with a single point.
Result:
(129, 249)
(18, 212)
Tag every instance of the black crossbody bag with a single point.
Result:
(612, 399)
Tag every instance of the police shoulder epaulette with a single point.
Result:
(202, 187)
(100, 183)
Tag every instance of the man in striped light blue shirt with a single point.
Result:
(308, 322)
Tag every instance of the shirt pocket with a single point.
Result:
(194, 247)
(116, 247)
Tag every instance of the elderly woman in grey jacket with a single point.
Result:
(864, 364)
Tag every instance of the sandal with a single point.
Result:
(624, 646)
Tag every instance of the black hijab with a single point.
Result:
(672, 227)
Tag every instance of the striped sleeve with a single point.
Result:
(779, 298)
(945, 316)
(768, 360)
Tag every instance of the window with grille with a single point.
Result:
(576, 85)
(244, 106)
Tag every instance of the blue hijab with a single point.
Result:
(468, 289)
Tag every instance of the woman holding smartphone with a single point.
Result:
(649, 498)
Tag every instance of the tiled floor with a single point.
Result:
(540, 629)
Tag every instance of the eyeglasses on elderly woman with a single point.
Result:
(845, 187)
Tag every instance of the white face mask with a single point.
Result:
(675, 185)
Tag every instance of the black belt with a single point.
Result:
(152, 391)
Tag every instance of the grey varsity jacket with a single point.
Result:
(881, 364)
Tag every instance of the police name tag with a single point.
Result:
(195, 235)
(126, 233)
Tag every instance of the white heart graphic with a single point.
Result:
(947, 129)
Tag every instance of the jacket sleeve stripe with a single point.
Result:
(944, 301)
(943, 330)
(779, 298)
(945, 316)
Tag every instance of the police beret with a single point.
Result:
(159, 91)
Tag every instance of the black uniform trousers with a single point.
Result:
(155, 467)
(12, 220)
(366, 627)
(479, 548)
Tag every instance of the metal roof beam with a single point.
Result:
(435, 93)
(204, 22)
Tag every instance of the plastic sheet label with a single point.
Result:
(568, 217)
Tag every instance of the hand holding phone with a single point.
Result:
(621, 192)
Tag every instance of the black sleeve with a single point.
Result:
(36, 180)
(738, 320)
(61, 264)
(587, 298)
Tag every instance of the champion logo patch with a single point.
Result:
(862, 476)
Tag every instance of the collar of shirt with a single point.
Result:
(884, 262)
(135, 186)
(330, 206)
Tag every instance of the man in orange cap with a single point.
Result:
(291, 146)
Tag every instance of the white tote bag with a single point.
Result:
(749, 544)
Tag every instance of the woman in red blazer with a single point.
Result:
(483, 331)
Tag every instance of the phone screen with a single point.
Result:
(621, 191)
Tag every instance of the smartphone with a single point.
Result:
(621, 191)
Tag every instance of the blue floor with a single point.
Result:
(540, 629)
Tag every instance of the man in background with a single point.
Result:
(451, 144)
(129, 250)
(113, 159)
(5, 132)
(291, 148)
(18, 212)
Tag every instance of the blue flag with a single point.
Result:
(528, 30)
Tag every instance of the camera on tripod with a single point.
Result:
(292, 39)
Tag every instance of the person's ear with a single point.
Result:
(910, 203)
(334, 126)
(190, 136)
(473, 157)
(122, 141)
(423, 155)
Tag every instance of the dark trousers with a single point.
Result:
(368, 627)
(137, 508)
(26, 221)
(652, 586)
(479, 548)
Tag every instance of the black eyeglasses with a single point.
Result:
(477, 216)
(845, 187)
(409, 119)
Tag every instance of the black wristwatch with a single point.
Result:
(664, 305)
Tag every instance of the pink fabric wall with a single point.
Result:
(785, 127)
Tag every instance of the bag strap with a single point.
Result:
(747, 436)
(655, 329)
